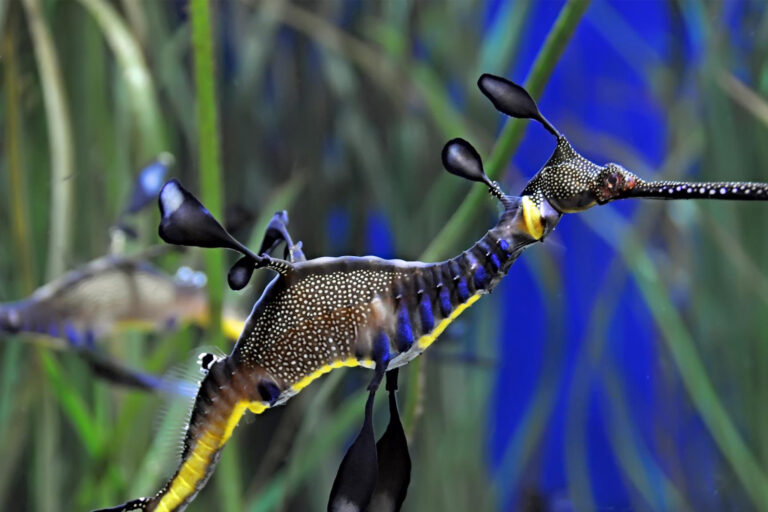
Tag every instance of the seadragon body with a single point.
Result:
(327, 313)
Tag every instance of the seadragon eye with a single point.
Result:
(612, 182)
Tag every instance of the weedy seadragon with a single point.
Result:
(326, 313)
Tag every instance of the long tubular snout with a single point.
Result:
(733, 190)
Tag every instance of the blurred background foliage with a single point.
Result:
(623, 365)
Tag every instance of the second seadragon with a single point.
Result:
(326, 313)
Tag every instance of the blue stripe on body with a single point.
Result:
(462, 290)
(480, 277)
(425, 311)
(495, 263)
(445, 301)
(381, 351)
(404, 330)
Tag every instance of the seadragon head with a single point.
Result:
(570, 183)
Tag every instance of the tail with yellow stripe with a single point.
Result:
(225, 393)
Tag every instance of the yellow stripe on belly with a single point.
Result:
(193, 469)
(422, 343)
(196, 464)
(306, 381)
(426, 340)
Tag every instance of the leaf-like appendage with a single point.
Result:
(512, 100)
(185, 221)
(462, 159)
(241, 272)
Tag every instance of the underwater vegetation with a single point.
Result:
(620, 365)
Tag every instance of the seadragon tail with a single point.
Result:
(225, 393)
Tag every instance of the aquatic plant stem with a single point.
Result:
(228, 480)
(686, 358)
(60, 232)
(314, 441)
(557, 39)
(136, 76)
(14, 364)
(396, 77)
(208, 144)
(59, 137)
(16, 182)
(633, 456)
(527, 436)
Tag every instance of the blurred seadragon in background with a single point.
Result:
(102, 298)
